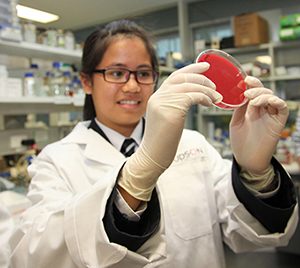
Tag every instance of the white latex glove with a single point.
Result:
(255, 128)
(165, 116)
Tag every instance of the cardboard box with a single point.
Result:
(250, 29)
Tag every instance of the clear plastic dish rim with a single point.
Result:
(235, 63)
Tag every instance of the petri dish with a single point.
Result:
(228, 76)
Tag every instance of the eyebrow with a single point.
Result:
(125, 66)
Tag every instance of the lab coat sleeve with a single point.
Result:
(6, 229)
(128, 233)
(241, 229)
(64, 227)
(273, 212)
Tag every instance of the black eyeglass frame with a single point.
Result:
(155, 75)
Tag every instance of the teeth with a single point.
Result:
(128, 102)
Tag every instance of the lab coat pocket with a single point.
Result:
(186, 203)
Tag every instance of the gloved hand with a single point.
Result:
(256, 126)
(165, 116)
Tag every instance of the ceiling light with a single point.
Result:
(35, 14)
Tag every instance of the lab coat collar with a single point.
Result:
(97, 148)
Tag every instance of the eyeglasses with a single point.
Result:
(122, 75)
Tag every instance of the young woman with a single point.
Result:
(174, 200)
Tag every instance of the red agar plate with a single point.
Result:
(228, 76)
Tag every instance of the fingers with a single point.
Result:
(255, 92)
(189, 79)
(274, 106)
(192, 73)
(261, 96)
(196, 88)
(253, 82)
(196, 68)
(267, 99)
(199, 79)
(199, 98)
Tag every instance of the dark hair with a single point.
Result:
(96, 45)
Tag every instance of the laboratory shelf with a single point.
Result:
(248, 49)
(23, 105)
(13, 109)
(215, 113)
(285, 77)
(31, 50)
(279, 78)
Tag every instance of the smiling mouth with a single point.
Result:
(129, 102)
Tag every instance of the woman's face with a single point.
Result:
(120, 106)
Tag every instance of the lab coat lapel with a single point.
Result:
(97, 148)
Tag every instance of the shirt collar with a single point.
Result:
(117, 139)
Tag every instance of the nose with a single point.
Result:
(131, 85)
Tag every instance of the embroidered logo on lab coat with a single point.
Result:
(193, 153)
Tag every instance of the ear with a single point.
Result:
(86, 83)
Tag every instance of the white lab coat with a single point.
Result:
(73, 178)
(6, 230)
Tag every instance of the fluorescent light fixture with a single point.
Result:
(35, 14)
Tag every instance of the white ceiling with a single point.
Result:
(78, 14)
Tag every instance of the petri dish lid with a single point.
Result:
(228, 76)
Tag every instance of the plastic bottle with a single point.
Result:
(69, 40)
(38, 90)
(51, 37)
(77, 87)
(56, 80)
(67, 84)
(47, 83)
(29, 84)
(29, 32)
(60, 38)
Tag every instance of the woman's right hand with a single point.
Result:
(166, 112)
(168, 106)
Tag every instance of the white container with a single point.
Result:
(69, 40)
(3, 71)
(13, 87)
(2, 87)
(38, 80)
(56, 80)
(10, 87)
(60, 41)
(29, 32)
(51, 37)
(29, 85)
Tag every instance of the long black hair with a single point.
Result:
(96, 45)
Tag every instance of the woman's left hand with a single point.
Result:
(255, 127)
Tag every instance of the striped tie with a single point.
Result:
(128, 147)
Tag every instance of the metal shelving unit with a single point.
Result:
(20, 107)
